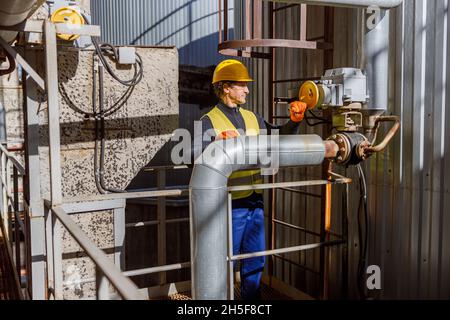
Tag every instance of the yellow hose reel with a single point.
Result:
(310, 94)
(67, 15)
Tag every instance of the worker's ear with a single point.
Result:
(226, 87)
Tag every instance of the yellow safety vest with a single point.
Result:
(221, 123)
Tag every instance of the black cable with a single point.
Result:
(103, 136)
(70, 103)
(110, 50)
(12, 64)
(317, 117)
(115, 107)
(314, 124)
(96, 120)
(99, 116)
(363, 243)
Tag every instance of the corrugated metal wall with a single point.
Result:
(412, 178)
(408, 183)
(190, 25)
(293, 208)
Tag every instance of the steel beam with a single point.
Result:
(161, 208)
(130, 195)
(119, 236)
(51, 72)
(57, 257)
(20, 60)
(35, 224)
(230, 248)
(37, 243)
(16, 220)
(286, 250)
(82, 207)
(169, 267)
(49, 253)
(37, 26)
(101, 285)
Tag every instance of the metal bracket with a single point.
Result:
(37, 26)
(20, 60)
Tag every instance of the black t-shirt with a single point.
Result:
(237, 120)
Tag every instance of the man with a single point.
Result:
(230, 85)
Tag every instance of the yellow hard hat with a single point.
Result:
(231, 70)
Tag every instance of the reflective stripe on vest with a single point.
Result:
(221, 123)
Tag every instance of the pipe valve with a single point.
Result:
(351, 148)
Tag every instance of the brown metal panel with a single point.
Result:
(303, 22)
(257, 19)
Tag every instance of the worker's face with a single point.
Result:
(236, 92)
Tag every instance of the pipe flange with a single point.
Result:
(361, 150)
(344, 147)
(351, 147)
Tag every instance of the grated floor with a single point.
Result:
(267, 293)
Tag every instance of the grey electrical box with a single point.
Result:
(127, 55)
(343, 86)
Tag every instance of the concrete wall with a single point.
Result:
(11, 109)
(133, 136)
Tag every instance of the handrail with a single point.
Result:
(130, 195)
(127, 289)
(11, 157)
(10, 200)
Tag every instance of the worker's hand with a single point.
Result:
(297, 110)
(227, 135)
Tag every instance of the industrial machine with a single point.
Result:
(344, 92)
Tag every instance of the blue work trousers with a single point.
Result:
(248, 237)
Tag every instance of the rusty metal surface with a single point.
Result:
(408, 183)
(8, 288)
(276, 43)
(252, 36)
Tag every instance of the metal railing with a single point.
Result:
(277, 252)
(42, 228)
(12, 172)
(105, 272)
(105, 268)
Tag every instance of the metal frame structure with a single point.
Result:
(44, 218)
(46, 278)
(244, 48)
(254, 34)
(341, 239)
(11, 212)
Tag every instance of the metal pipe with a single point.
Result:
(376, 59)
(286, 250)
(230, 247)
(208, 196)
(170, 267)
(347, 3)
(389, 136)
(101, 285)
(14, 12)
(292, 226)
